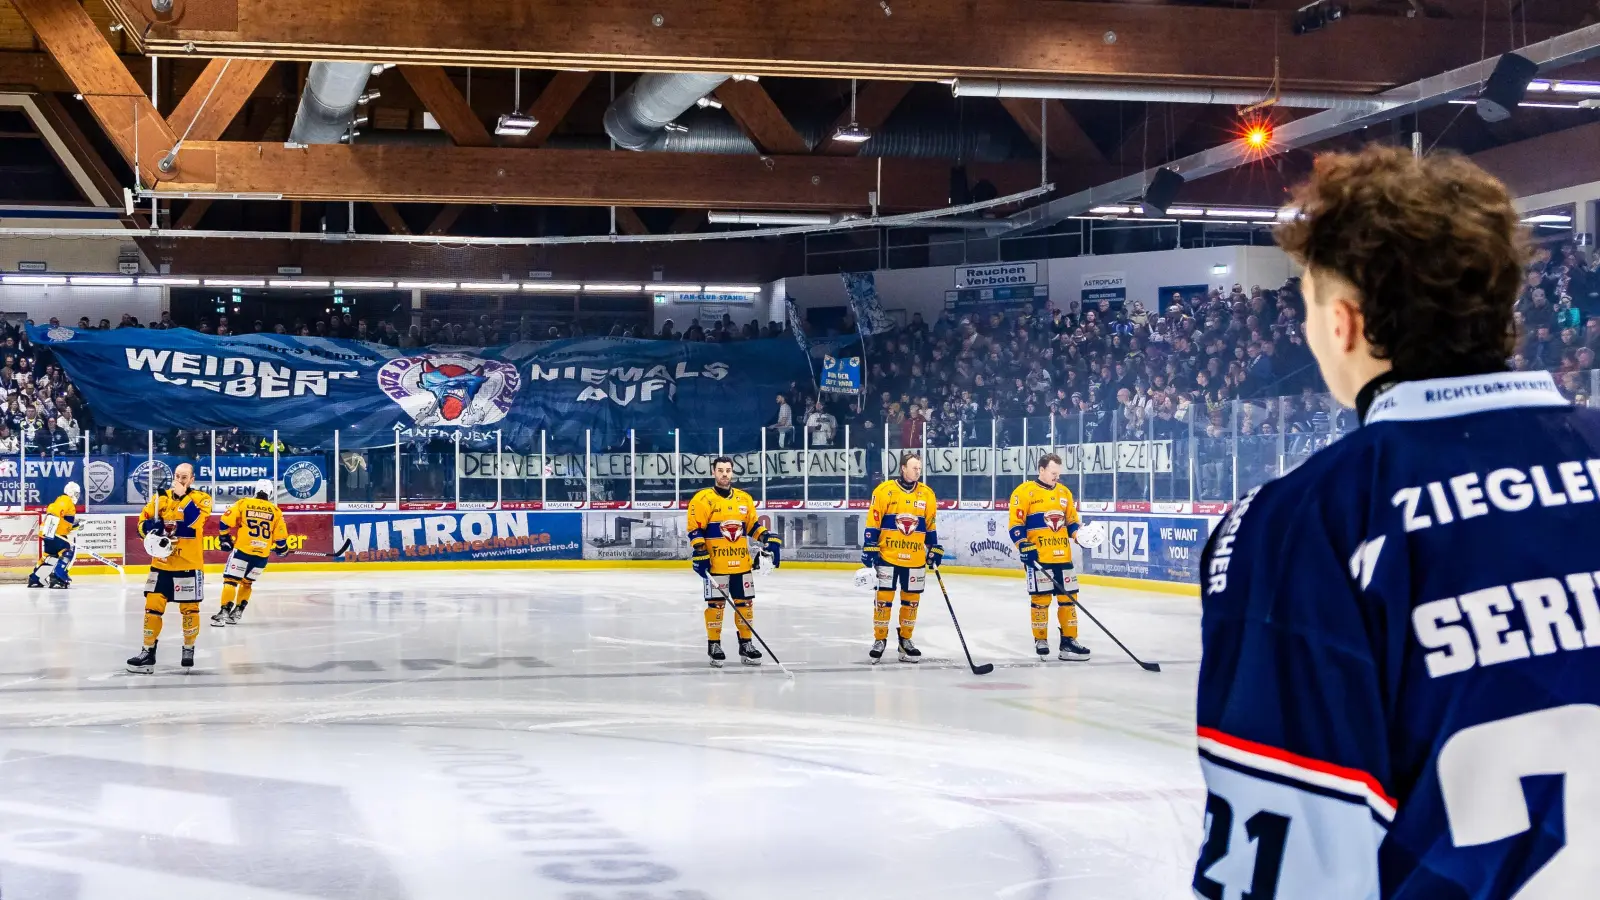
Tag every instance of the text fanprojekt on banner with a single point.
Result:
(389, 537)
(305, 387)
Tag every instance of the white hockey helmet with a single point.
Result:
(265, 489)
(158, 545)
(866, 578)
(72, 490)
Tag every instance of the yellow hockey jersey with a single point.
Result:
(900, 524)
(725, 525)
(61, 517)
(189, 513)
(256, 525)
(1046, 517)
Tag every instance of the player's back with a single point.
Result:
(1400, 690)
(256, 525)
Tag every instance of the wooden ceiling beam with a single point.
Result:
(1065, 138)
(874, 102)
(392, 219)
(450, 109)
(552, 105)
(826, 38)
(751, 106)
(628, 221)
(445, 218)
(192, 214)
(216, 97)
(114, 97)
(407, 174)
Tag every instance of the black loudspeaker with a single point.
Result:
(960, 190)
(1504, 89)
(1162, 191)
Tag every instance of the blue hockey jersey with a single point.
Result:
(1400, 686)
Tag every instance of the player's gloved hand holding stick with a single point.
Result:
(1147, 666)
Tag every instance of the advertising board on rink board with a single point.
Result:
(457, 536)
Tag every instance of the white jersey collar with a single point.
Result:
(1440, 398)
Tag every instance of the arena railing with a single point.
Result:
(1194, 458)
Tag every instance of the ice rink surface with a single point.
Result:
(558, 734)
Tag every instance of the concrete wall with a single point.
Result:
(761, 308)
(40, 302)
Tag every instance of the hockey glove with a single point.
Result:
(150, 526)
(1028, 553)
(774, 547)
(280, 547)
(700, 560)
(869, 557)
(225, 541)
(935, 556)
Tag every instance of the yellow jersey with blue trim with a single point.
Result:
(1046, 517)
(724, 524)
(61, 517)
(256, 526)
(187, 515)
(901, 525)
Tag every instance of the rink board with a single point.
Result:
(1145, 550)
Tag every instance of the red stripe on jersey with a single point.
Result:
(1298, 761)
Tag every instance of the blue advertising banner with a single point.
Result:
(306, 387)
(301, 479)
(1165, 548)
(391, 537)
(48, 477)
(841, 375)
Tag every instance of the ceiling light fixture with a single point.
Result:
(236, 282)
(33, 279)
(1110, 210)
(426, 285)
(167, 281)
(101, 281)
(487, 286)
(609, 288)
(670, 288)
(296, 283)
(363, 285)
(514, 123)
(768, 218)
(852, 133)
(552, 287)
(733, 288)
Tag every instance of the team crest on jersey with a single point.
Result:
(450, 389)
(731, 530)
(1054, 520)
(906, 524)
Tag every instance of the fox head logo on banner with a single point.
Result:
(450, 388)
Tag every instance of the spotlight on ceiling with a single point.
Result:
(515, 125)
(1505, 87)
(852, 133)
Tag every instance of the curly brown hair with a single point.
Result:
(1433, 244)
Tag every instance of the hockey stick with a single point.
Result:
(984, 669)
(102, 560)
(334, 555)
(757, 635)
(1147, 666)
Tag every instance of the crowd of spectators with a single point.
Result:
(1558, 320)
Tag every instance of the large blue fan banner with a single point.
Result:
(305, 388)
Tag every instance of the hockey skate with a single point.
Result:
(748, 654)
(909, 652)
(235, 614)
(34, 582)
(714, 650)
(145, 662)
(1072, 651)
(188, 658)
(221, 618)
(877, 651)
(57, 583)
(1042, 647)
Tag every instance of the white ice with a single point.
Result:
(540, 734)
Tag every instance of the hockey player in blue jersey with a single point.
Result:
(1400, 681)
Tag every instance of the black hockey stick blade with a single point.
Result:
(739, 614)
(984, 669)
(342, 550)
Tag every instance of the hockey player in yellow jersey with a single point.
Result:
(900, 544)
(174, 525)
(60, 547)
(250, 529)
(722, 522)
(1044, 520)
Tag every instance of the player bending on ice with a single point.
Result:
(250, 529)
(1044, 520)
(1399, 687)
(722, 522)
(174, 525)
(900, 544)
(60, 543)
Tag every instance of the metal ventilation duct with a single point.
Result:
(328, 103)
(637, 120)
(1159, 94)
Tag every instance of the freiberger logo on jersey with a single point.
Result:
(731, 530)
(450, 388)
(906, 524)
(1055, 520)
